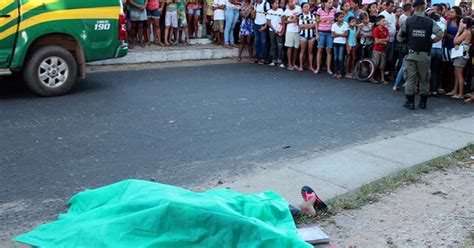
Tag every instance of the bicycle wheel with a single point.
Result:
(364, 69)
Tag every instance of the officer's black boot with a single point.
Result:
(423, 100)
(410, 102)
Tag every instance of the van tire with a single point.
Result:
(61, 72)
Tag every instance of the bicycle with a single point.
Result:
(364, 69)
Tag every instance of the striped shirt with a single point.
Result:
(326, 19)
(367, 34)
(307, 19)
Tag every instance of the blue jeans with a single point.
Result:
(261, 52)
(231, 17)
(325, 40)
(339, 55)
(399, 80)
(436, 59)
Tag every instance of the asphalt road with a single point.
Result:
(183, 126)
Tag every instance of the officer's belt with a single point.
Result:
(418, 52)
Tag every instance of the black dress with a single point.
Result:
(372, 19)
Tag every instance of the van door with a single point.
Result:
(9, 16)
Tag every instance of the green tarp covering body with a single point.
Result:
(135, 213)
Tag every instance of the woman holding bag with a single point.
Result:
(462, 41)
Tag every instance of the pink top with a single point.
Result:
(153, 5)
(326, 19)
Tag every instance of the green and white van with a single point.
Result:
(50, 41)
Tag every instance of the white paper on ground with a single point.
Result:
(313, 235)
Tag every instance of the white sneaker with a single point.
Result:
(272, 64)
(282, 66)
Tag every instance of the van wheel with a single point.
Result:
(50, 71)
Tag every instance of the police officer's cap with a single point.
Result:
(419, 2)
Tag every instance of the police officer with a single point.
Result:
(416, 33)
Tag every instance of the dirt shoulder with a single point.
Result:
(435, 211)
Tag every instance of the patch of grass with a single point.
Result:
(372, 192)
(469, 242)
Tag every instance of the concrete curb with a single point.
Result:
(345, 171)
(198, 53)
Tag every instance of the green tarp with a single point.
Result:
(135, 213)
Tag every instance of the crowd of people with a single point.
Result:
(316, 35)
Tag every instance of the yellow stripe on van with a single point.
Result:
(32, 4)
(13, 16)
(5, 3)
(72, 14)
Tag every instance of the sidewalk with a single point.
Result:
(199, 49)
(345, 171)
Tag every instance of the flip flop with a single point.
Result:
(308, 193)
(374, 81)
(469, 101)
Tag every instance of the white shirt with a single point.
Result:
(439, 44)
(292, 27)
(340, 30)
(219, 13)
(390, 23)
(403, 19)
(364, 2)
(445, 23)
(275, 18)
(260, 18)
